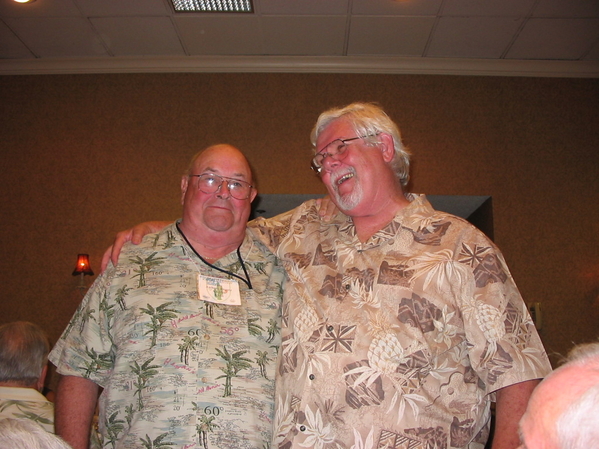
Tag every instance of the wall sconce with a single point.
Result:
(82, 269)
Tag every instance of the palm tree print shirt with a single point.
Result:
(27, 403)
(398, 342)
(178, 372)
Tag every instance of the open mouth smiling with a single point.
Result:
(344, 178)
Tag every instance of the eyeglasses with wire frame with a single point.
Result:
(211, 183)
(335, 148)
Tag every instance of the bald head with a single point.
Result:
(220, 151)
(215, 206)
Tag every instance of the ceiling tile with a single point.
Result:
(472, 37)
(397, 36)
(289, 36)
(567, 8)
(309, 7)
(593, 54)
(566, 39)
(486, 8)
(10, 45)
(123, 8)
(58, 37)
(140, 36)
(395, 7)
(220, 35)
(41, 8)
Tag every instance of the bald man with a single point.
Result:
(182, 333)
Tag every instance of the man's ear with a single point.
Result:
(253, 194)
(42, 379)
(184, 186)
(387, 146)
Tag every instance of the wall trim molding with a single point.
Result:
(301, 64)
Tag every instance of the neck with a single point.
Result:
(212, 245)
(368, 225)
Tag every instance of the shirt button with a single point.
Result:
(347, 286)
(330, 328)
(302, 428)
(311, 377)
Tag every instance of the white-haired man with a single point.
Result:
(182, 332)
(401, 324)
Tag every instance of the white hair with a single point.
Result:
(369, 119)
(578, 425)
(25, 434)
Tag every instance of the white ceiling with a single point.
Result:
(509, 37)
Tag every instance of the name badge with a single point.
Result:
(218, 290)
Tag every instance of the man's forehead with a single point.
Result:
(338, 129)
(221, 163)
(219, 171)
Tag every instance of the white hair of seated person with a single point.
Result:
(26, 434)
(582, 414)
(578, 426)
(563, 411)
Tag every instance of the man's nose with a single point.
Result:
(330, 161)
(223, 192)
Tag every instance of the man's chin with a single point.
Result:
(220, 222)
(346, 203)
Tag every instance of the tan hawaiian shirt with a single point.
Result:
(398, 342)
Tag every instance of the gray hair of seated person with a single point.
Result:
(26, 434)
(578, 426)
(24, 349)
(369, 119)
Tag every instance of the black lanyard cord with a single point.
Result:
(247, 281)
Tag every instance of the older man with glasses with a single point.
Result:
(182, 333)
(401, 324)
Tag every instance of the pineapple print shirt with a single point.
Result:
(27, 403)
(398, 342)
(178, 372)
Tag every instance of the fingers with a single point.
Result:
(106, 258)
(121, 238)
(138, 232)
(133, 235)
(327, 209)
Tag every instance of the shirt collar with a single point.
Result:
(411, 217)
(21, 394)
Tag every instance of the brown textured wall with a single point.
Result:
(84, 156)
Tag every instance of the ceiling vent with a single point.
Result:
(213, 6)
